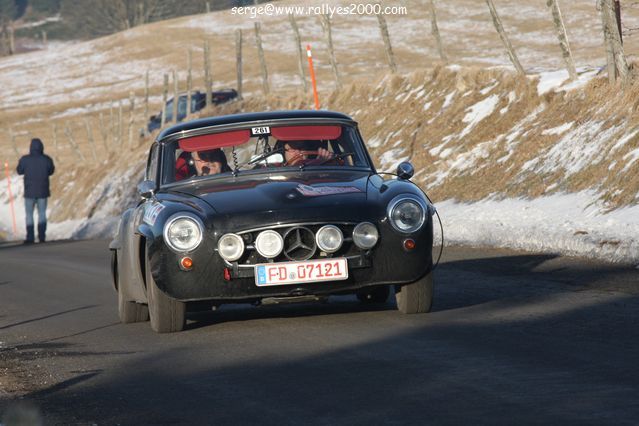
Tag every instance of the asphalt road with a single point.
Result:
(513, 338)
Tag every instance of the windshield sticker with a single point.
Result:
(317, 191)
(151, 213)
(256, 131)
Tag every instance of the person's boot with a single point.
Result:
(42, 230)
(30, 236)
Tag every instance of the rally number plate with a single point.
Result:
(310, 271)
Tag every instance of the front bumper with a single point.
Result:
(387, 263)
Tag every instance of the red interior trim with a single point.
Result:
(214, 140)
(294, 133)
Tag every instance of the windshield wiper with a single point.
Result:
(260, 158)
(334, 157)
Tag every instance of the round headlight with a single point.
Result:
(230, 247)
(365, 235)
(183, 233)
(269, 244)
(329, 238)
(407, 215)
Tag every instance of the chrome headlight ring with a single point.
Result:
(186, 220)
(269, 244)
(230, 247)
(334, 238)
(407, 213)
(365, 235)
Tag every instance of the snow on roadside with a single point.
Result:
(559, 80)
(559, 129)
(110, 197)
(560, 223)
(570, 224)
(478, 112)
(573, 157)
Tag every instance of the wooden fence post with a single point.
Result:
(74, 145)
(131, 117)
(12, 136)
(502, 34)
(176, 96)
(146, 96)
(45, 42)
(90, 139)
(610, 56)
(165, 95)
(326, 25)
(383, 28)
(55, 139)
(300, 54)
(617, 63)
(208, 7)
(12, 39)
(189, 82)
(563, 37)
(112, 125)
(434, 28)
(120, 124)
(260, 53)
(103, 133)
(207, 74)
(238, 61)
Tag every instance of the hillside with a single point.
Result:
(535, 163)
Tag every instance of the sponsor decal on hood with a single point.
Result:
(318, 191)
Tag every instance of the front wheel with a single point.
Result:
(128, 311)
(168, 315)
(416, 297)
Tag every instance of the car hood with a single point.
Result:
(285, 191)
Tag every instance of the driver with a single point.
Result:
(304, 152)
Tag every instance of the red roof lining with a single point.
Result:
(239, 137)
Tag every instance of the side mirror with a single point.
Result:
(146, 189)
(405, 170)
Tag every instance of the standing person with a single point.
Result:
(36, 168)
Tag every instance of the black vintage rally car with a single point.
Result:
(269, 208)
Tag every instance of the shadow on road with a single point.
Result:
(513, 339)
(234, 313)
(47, 316)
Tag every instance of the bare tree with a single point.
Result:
(7, 14)
(101, 17)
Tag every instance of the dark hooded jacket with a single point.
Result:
(36, 168)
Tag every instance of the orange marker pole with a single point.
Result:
(13, 213)
(312, 71)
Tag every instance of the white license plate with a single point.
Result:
(309, 271)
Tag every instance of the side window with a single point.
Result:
(181, 108)
(152, 164)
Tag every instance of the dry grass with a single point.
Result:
(369, 95)
(419, 131)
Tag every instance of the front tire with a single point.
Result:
(416, 297)
(168, 315)
(128, 311)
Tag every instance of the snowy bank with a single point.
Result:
(568, 224)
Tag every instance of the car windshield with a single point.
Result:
(265, 148)
(181, 108)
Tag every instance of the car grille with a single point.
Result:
(299, 244)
